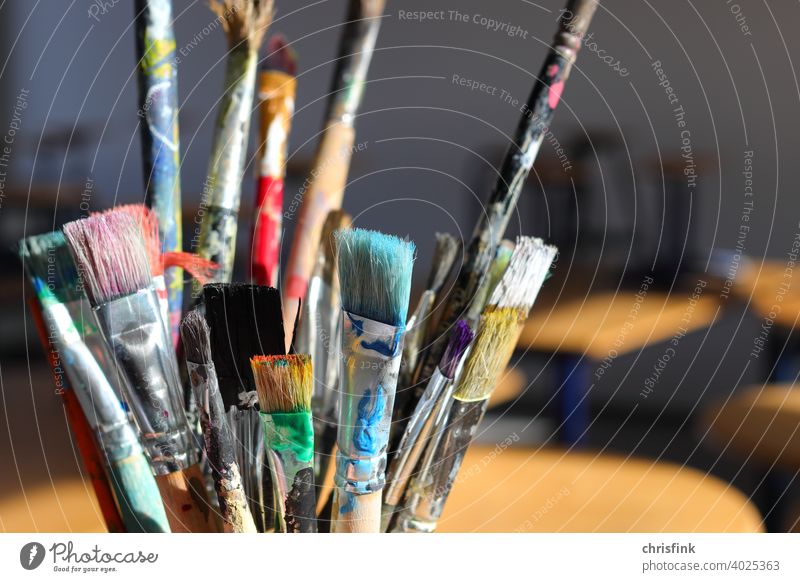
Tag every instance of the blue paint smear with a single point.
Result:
(366, 437)
(381, 347)
(358, 325)
(349, 504)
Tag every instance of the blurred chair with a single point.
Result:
(584, 330)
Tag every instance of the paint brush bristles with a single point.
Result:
(111, 255)
(375, 274)
(284, 383)
(460, 338)
(243, 20)
(507, 309)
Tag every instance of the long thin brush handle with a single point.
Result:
(226, 164)
(428, 491)
(332, 161)
(276, 94)
(186, 501)
(90, 452)
(158, 110)
(517, 164)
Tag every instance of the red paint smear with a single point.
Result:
(556, 89)
(296, 287)
(267, 231)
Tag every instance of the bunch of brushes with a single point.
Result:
(322, 406)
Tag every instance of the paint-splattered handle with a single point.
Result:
(310, 206)
(267, 231)
(138, 496)
(158, 110)
(356, 513)
(535, 122)
(186, 501)
(88, 447)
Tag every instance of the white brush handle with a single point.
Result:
(356, 513)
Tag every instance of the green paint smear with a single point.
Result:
(290, 431)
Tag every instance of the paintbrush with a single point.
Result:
(332, 159)
(276, 105)
(456, 420)
(53, 275)
(202, 270)
(220, 447)
(419, 425)
(284, 385)
(375, 282)
(408, 394)
(158, 112)
(245, 321)
(317, 330)
(536, 119)
(89, 449)
(245, 23)
(111, 257)
(442, 263)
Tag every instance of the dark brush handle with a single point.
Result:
(489, 231)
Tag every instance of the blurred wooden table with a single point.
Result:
(523, 490)
(760, 422)
(604, 325)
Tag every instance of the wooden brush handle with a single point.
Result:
(186, 502)
(356, 513)
(324, 194)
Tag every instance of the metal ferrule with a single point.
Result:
(428, 491)
(97, 398)
(318, 328)
(146, 364)
(370, 363)
(414, 437)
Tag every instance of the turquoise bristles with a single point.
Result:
(375, 274)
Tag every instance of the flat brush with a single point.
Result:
(68, 318)
(276, 90)
(418, 428)
(111, 256)
(245, 23)
(316, 336)
(537, 117)
(245, 321)
(332, 158)
(285, 384)
(198, 268)
(375, 282)
(158, 109)
(220, 447)
(457, 420)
